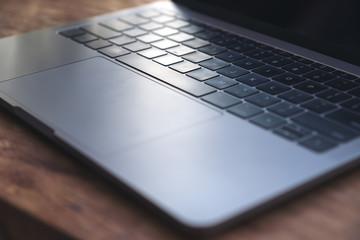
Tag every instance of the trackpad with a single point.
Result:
(103, 108)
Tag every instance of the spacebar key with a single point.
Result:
(167, 75)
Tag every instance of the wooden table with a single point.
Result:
(46, 194)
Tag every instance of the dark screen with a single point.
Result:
(327, 26)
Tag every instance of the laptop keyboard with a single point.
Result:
(312, 104)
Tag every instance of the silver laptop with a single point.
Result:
(208, 111)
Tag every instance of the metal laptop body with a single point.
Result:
(200, 166)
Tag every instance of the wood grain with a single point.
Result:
(41, 181)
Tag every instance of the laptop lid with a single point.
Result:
(327, 27)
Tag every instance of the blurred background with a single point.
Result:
(18, 16)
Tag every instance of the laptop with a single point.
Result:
(207, 112)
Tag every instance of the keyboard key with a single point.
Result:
(180, 37)
(263, 46)
(135, 32)
(164, 44)
(177, 23)
(163, 19)
(302, 60)
(183, 17)
(191, 29)
(342, 84)
(114, 51)
(318, 144)
(184, 67)
(165, 31)
(298, 68)
(298, 130)
(253, 79)
(116, 25)
(214, 64)
(149, 13)
(267, 120)
(273, 87)
(180, 50)
(248, 63)
(310, 87)
(318, 106)
(212, 49)
(84, 38)
(323, 67)
(97, 44)
(268, 71)
(241, 91)
(133, 19)
(347, 118)
(151, 26)
(168, 12)
(149, 38)
(278, 61)
(122, 40)
(197, 57)
(285, 109)
(324, 126)
(289, 79)
(355, 92)
(221, 100)
(101, 31)
(196, 43)
(202, 74)
(223, 41)
(230, 35)
(353, 104)
(241, 47)
(229, 56)
(286, 134)
(207, 34)
(344, 75)
(221, 82)
(262, 100)
(233, 71)
(292, 132)
(167, 75)
(167, 59)
(258, 54)
(72, 32)
(319, 76)
(334, 96)
(245, 110)
(295, 96)
(152, 53)
(136, 46)
(282, 53)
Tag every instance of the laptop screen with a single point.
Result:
(328, 26)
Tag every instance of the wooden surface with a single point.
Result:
(44, 192)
